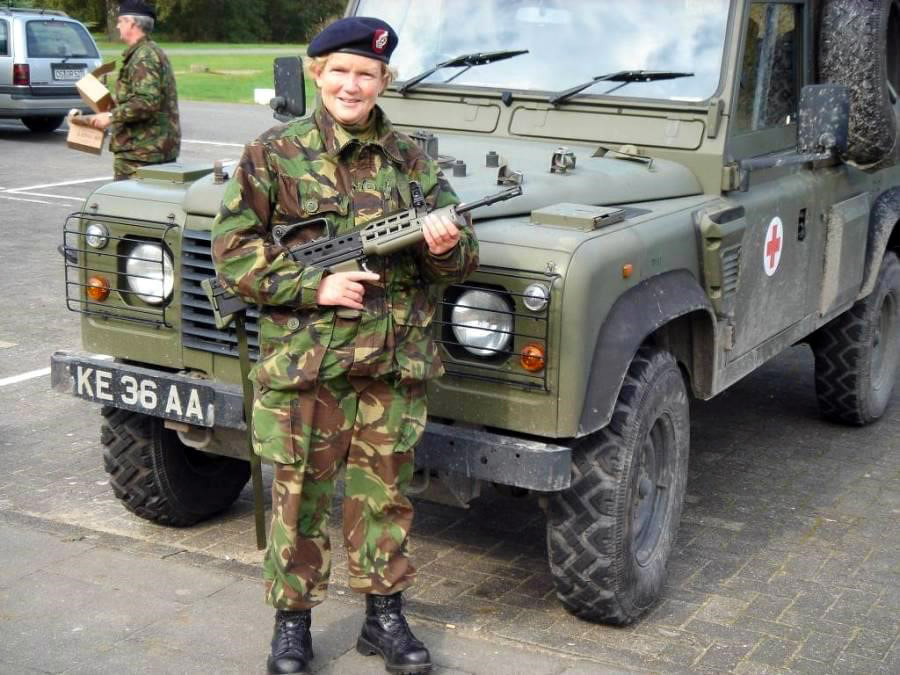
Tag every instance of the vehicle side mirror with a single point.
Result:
(824, 118)
(290, 93)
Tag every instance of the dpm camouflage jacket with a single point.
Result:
(311, 169)
(145, 124)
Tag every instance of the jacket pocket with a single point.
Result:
(292, 346)
(307, 198)
(415, 354)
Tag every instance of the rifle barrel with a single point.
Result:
(509, 193)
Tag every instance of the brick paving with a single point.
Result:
(786, 559)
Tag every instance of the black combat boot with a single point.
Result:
(386, 632)
(291, 642)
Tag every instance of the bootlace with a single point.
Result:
(399, 630)
(290, 632)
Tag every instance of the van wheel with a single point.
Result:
(43, 125)
(159, 478)
(857, 353)
(859, 47)
(609, 535)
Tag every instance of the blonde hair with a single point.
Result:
(316, 64)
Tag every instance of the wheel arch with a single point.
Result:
(884, 235)
(671, 310)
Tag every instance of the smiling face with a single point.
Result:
(349, 85)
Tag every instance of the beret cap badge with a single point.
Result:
(379, 40)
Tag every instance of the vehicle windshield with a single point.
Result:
(569, 42)
(49, 39)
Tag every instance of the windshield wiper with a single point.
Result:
(623, 76)
(467, 60)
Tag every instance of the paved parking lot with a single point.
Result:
(787, 555)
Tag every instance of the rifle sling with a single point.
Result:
(255, 465)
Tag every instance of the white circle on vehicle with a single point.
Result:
(773, 246)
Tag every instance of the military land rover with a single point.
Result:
(706, 183)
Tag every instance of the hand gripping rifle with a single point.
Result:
(348, 252)
(335, 254)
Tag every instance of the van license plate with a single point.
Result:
(156, 396)
(68, 74)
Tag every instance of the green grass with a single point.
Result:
(229, 78)
(118, 47)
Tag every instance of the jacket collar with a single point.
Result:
(128, 52)
(337, 139)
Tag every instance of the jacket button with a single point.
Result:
(293, 323)
(311, 205)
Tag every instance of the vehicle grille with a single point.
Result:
(198, 328)
(83, 262)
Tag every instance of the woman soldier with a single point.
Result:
(344, 356)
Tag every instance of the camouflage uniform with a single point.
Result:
(145, 125)
(333, 387)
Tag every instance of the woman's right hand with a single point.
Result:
(344, 289)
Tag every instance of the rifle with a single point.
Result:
(348, 252)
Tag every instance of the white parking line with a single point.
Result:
(28, 188)
(24, 376)
(18, 199)
(228, 145)
(41, 194)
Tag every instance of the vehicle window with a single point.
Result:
(569, 42)
(4, 39)
(770, 80)
(52, 39)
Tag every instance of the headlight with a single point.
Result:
(96, 235)
(482, 323)
(536, 297)
(149, 273)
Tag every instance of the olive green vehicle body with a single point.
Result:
(684, 267)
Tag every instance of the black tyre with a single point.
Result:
(857, 354)
(859, 47)
(609, 535)
(159, 478)
(43, 125)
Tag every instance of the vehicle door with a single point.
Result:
(779, 242)
(5, 57)
(59, 53)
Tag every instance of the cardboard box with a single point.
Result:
(82, 136)
(93, 92)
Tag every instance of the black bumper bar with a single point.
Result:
(475, 453)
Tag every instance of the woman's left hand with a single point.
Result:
(440, 230)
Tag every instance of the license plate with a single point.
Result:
(156, 396)
(68, 74)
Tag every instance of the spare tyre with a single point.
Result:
(858, 47)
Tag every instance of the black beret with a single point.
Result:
(362, 35)
(136, 8)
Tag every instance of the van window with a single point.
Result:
(770, 74)
(56, 39)
(4, 39)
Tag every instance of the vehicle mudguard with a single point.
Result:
(640, 311)
(883, 220)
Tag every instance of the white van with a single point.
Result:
(42, 54)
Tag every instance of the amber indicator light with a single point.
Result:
(627, 270)
(97, 289)
(532, 357)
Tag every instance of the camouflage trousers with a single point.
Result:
(372, 426)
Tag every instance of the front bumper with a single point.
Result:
(474, 453)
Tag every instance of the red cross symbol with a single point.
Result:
(774, 245)
(772, 252)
